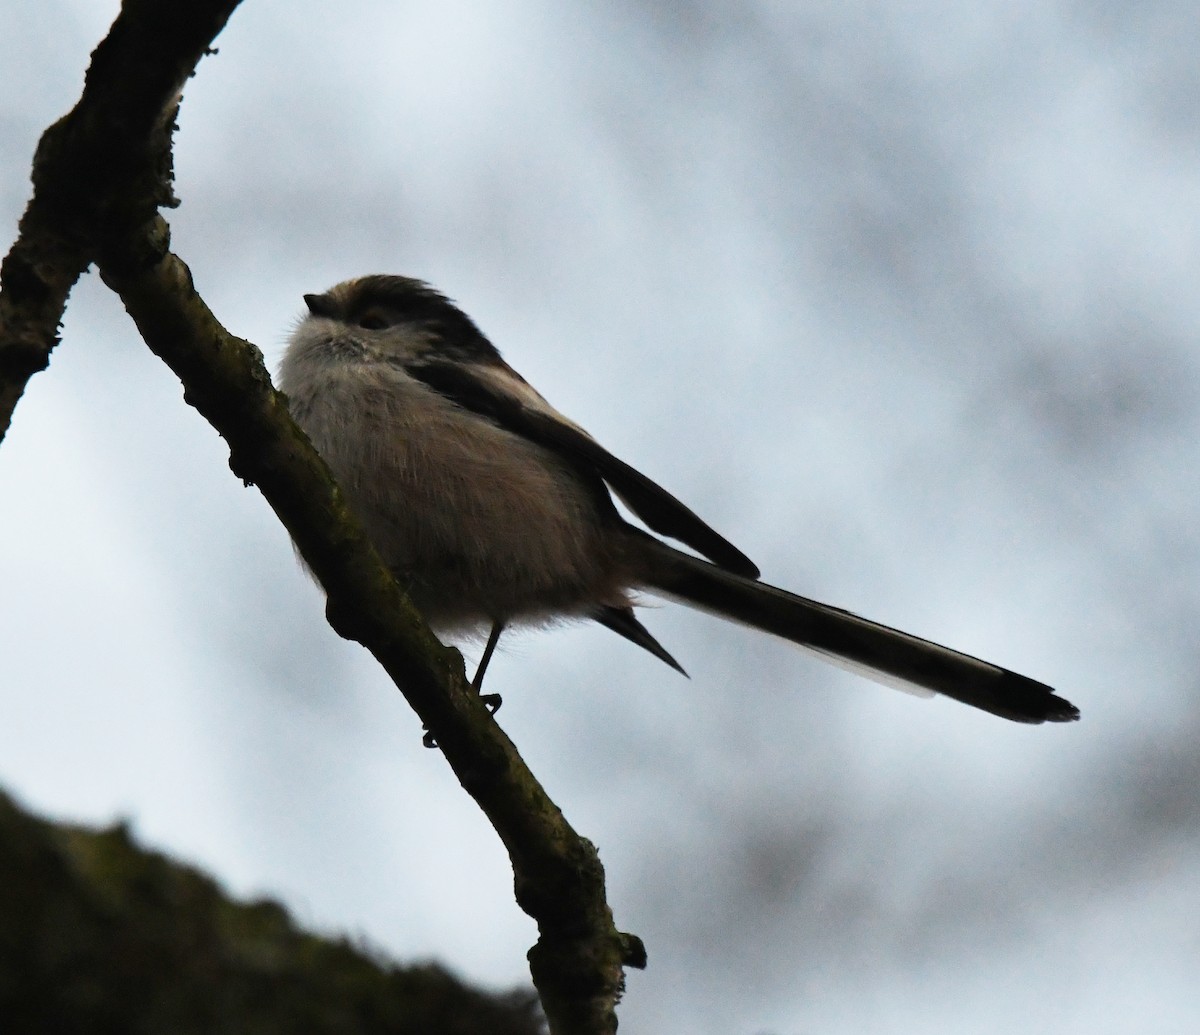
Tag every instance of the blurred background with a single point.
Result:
(901, 298)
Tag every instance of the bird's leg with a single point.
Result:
(490, 701)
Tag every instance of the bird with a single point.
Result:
(494, 510)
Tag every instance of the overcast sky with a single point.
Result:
(900, 297)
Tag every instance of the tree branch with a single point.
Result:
(98, 934)
(101, 174)
(107, 162)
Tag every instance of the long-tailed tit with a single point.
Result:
(493, 508)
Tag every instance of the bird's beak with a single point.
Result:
(320, 305)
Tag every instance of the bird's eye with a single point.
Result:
(373, 320)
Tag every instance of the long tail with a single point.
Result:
(877, 651)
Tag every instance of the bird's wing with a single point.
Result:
(497, 392)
